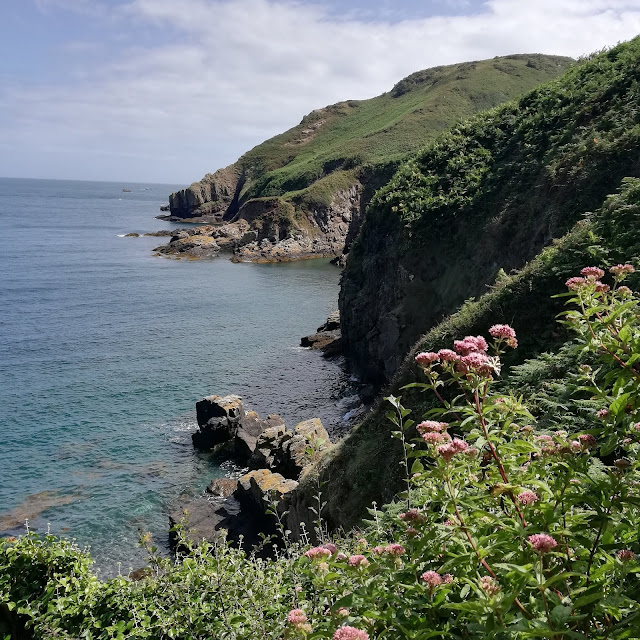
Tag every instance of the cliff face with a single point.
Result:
(486, 196)
(215, 195)
(328, 166)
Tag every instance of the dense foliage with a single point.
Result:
(505, 529)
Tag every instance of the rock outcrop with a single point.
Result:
(241, 508)
(328, 337)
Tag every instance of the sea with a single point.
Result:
(105, 349)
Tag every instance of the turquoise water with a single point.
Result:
(104, 350)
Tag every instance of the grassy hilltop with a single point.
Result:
(313, 177)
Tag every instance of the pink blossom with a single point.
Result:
(489, 585)
(435, 438)
(297, 617)
(432, 578)
(450, 522)
(476, 362)
(636, 426)
(601, 288)
(593, 273)
(341, 556)
(358, 561)
(350, 633)
(542, 543)
(603, 413)
(431, 425)
(621, 270)
(575, 446)
(412, 515)
(624, 291)
(470, 344)
(411, 532)
(447, 578)
(318, 552)
(545, 439)
(378, 550)
(575, 284)
(426, 358)
(527, 497)
(626, 555)
(330, 547)
(587, 440)
(502, 331)
(394, 549)
(447, 451)
(447, 355)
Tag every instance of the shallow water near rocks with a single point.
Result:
(104, 350)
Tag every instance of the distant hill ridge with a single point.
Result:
(307, 187)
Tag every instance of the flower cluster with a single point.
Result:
(489, 585)
(350, 633)
(456, 446)
(527, 497)
(542, 543)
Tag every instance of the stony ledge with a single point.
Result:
(277, 459)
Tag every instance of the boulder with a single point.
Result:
(218, 420)
(249, 430)
(257, 489)
(222, 487)
(202, 519)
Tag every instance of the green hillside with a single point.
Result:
(361, 142)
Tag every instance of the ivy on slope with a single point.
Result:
(580, 129)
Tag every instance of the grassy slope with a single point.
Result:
(580, 134)
(388, 127)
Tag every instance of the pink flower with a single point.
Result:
(545, 439)
(601, 288)
(575, 446)
(592, 273)
(378, 550)
(621, 270)
(431, 425)
(470, 344)
(575, 284)
(412, 515)
(297, 617)
(447, 451)
(636, 426)
(542, 543)
(476, 362)
(489, 585)
(502, 331)
(603, 413)
(341, 556)
(626, 555)
(446, 355)
(330, 547)
(587, 441)
(625, 292)
(318, 552)
(350, 633)
(426, 358)
(435, 438)
(447, 578)
(358, 561)
(411, 532)
(432, 578)
(527, 497)
(450, 522)
(394, 549)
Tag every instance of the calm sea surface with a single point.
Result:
(104, 350)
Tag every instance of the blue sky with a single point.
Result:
(167, 90)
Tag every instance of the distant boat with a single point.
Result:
(127, 190)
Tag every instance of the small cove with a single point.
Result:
(104, 350)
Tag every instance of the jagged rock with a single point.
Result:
(287, 453)
(218, 419)
(195, 245)
(203, 520)
(328, 339)
(320, 340)
(249, 430)
(257, 488)
(222, 487)
(332, 323)
(131, 235)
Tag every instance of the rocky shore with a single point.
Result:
(276, 458)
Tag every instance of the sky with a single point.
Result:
(168, 90)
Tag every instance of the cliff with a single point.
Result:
(486, 225)
(318, 177)
(485, 197)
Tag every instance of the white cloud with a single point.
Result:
(237, 71)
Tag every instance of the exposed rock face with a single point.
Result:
(250, 429)
(218, 420)
(221, 487)
(193, 246)
(213, 196)
(328, 338)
